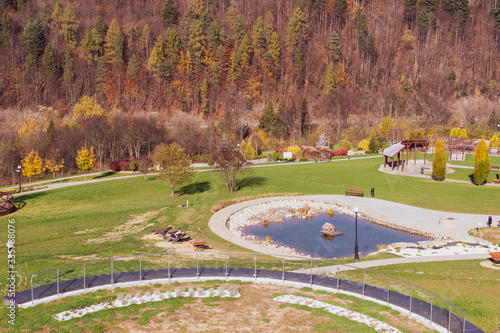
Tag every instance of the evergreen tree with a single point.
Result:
(169, 13)
(101, 73)
(213, 41)
(372, 47)
(423, 19)
(275, 47)
(120, 47)
(439, 162)
(268, 26)
(110, 41)
(259, 39)
(268, 119)
(5, 31)
(298, 27)
(69, 66)
(235, 68)
(197, 39)
(50, 59)
(330, 78)
(463, 10)
(298, 61)
(46, 14)
(173, 46)
(362, 30)
(8, 3)
(206, 20)
(69, 25)
(145, 39)
(98, 35)
(429, 5)
(245, 50)
(334, 45)
(133, 66)
(239, 29)
(481, 163)
(34, 39)
(204, 96)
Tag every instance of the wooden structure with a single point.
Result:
(406, 146)
(495, 256)
(458, 147)
(359, 193)
(6, 203)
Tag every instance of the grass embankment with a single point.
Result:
(57, 227)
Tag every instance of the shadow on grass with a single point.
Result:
(20, 201)
(105, 174)
(251, 182)
(194, 188)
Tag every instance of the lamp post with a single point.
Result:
(356, 255)
(18, 170)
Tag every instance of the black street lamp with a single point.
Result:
(356, 255)
(18, 170)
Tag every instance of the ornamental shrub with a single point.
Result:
(439, 163)
(274, 156)
(345, 144)
(463, 133)
(364, 145)
(211, 160)
(132, 166)
(115, 166)
(494, 141)
(481, 163)
(455, 132)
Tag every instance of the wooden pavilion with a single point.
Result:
(406, 146)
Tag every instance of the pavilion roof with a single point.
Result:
(393, 150)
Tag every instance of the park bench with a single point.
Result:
(199, 244)
(495, 256)
(359, 193)
(494, 168)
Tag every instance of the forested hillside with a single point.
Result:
(328, 62)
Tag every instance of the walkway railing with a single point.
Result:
(396, 292)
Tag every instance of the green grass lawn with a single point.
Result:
(52, 227)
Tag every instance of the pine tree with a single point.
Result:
(429, 5)
(481, 163)
(463, 10)
(110, 41)
(235, 68)
(50, 60)
(439, 162)
(259, 39)
(169, 13)
(145, 39)
(362, 30)
(372, 47)
(334, 45)
(298, 61)
(5, 31)
(120, 47)
(213, 41)
(197, 39)
(239, 29)
(204, 96)
(69, 25)
(98, 35)
(268, 119)
(34, 39)
(330, 78)
(133, 66)
(298, 27)
(275, 47)
(46, 14)
(69, 66)
(245, 50)
(268, 26)
(423, 19)
(101, 73)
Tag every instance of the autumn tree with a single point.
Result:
(87, 107)
(268, 119)
(32, 165)
(481, 163)
(54, 162)
(230, 163)
(86, 159)
(439, 162)
(174, 164)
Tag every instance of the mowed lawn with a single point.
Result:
(53, 227)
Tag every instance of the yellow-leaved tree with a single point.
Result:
(439, 162)
(481, 163)
(54, 162)
(86, 159)
(32, 165)
(87, 107)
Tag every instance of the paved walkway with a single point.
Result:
(402, 216)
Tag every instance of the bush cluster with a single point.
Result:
(340, 152)
(129, 164)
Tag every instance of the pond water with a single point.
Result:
(305, 235)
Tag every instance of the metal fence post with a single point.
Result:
(388, 288)
(140, 268)
(57, 283)
(32, 289)
(84, 276)
(463, 327)
(338, 277)
(430, 317)
(169, 275)
(411, 297)
(255, 266)
(111, 271)
(311, 281)
(283, 277)
(197, 265)
(227, 274)
(449, 317)
(364, 284)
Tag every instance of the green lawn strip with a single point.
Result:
(464, 283)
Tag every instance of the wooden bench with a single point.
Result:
(359, 193)
(495, 256)
(199, 244)
(496, 181)
(494, 168)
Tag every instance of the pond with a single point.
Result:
(305, 236)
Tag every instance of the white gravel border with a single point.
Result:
(378, 325)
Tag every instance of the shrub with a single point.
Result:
(364, 145)
(115, 166)
(463, 133)
(345, 144)
(373, 145)
(439, 163)
(495, 141)
(280, 155)
(481, 163)
(132, 166)
(303, 159)
(269, 157)
(455, 132)
(274, 156)
(211, 160)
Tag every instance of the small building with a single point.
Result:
(402, 147)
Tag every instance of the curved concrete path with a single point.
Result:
(404, 216)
